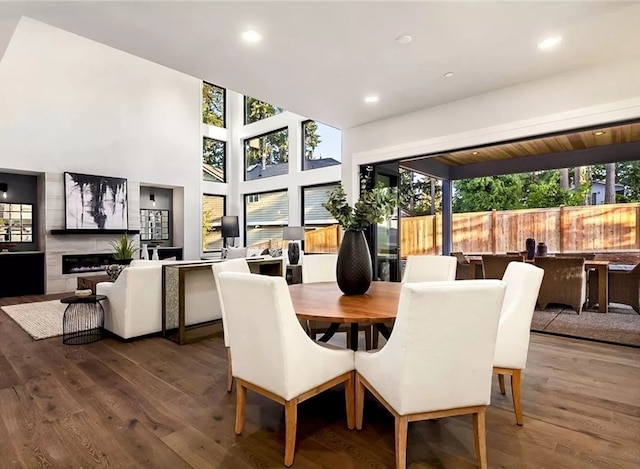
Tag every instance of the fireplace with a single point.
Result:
(82, 263)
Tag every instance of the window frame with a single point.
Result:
(224, 213)
(264, 134)
(245, 114)
(224, 104)
(303, 144)
(244, 206)
(224, 169)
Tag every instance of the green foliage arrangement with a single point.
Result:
(123, 248)
(373, 206)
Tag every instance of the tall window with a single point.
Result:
(265, 217)
(322, 145)
(267, 155)
(213, 160)
(322, 230)
(212, 211)
(213, 102)
(256, 110)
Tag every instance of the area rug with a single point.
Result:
(40, 320)
(621, 325)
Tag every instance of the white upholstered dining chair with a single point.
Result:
(438, 360)
(424, 269)
(232, 265)
(514, 330)
(322, 268)
(429, 268)
(273, 356)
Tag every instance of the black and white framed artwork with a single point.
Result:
(95, 202)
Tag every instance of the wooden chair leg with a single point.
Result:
(291, 422)
(501, 383)
(402, 425)
(350, 397)
(479, 431)
(367, 338)
(359, 388)
(516, 379)
(374, 337)
(229, 371)
(241, 405)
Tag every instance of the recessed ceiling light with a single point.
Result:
(597, 133)
(371, 99)
(475, 152)
(251, 36)
(448, 74)
(404, 39)
(549, 43)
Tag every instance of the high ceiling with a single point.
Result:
(320, 59)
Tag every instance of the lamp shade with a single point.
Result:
(230, 228)
(293, 233)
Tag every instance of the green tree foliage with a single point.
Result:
(542, 190)
(272, 148)
(487, 193)
(213, 152)
(628, 174)
(414, 196)
(212, 105)
(257, 110)
(311, 139)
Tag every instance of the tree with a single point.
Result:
(212, 105)
(269, 149)
(543, 190)
(564, 178)
(488, 193)
(610, 184)
(628, 174)
(257, 110)
(213, 152)
(415, 197)
(311, 139)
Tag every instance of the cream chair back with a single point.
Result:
(440, 353)
(512, 344)
(270, 349)
(319, 268)
(430, 269)
(232, 265)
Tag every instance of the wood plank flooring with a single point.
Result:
(152, 403)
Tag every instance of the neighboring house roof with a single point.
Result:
(216, 174)
(256, 171)
(619, 187)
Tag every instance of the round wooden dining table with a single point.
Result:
(325, 302)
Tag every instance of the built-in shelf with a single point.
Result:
(92, 232)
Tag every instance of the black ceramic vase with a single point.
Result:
(353, 270)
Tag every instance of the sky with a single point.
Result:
(331, 142)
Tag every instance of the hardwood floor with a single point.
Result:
(152, 403)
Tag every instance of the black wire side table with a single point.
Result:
(83, 319)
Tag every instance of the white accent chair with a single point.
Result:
(430, 269)
(134, 301)
(273, 356)
(425, 269)
(232, 265)
(438, 361)
(322, 268)
(514, 330)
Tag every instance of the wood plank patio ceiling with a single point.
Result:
(591, 138)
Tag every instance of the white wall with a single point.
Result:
(579, 98)
(71, 104)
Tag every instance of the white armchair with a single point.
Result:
(514, 330)
(273, 356)
(134, 302)
(233, 265)
(437, 364)
(430, 269)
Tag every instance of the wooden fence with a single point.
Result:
(614, 227)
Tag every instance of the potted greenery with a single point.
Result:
(123, 250)
(354, 270)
